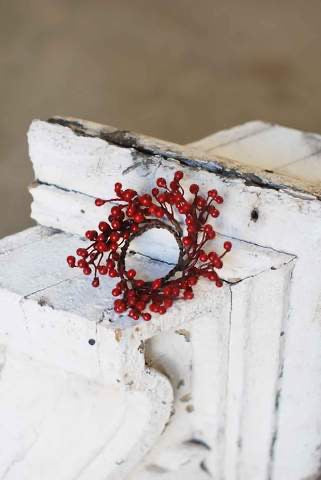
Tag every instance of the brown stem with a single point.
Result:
(148, 225)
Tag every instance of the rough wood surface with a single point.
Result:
(79, 160)
(57, 379)
(263, 376)
(271, 148)
(231, 166)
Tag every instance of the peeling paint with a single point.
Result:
(186, 334)
(118, 334)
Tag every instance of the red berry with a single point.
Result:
(219, 199)
(82, 263)
(104, 227)
(200, 202)
(185, 208)
(114, 247)
(102, 269)
(129, 194)
(154, 307)
(91, 234)
(116, 224)
(114, 237)
(217, 263)
(147, 316)
(71, 261)
(118, 187)
(210, 235)
(131, 211)
(101, 237)
(174, 186)
(161, 198)
(192, 281)
(175, 291)
(159, 212)
(168, 302)
(187, 241)
(116, 292)
(191, 229)
(134, 314)
(215, 213)
(156, 284)
(194, 188)
(145, 200)
(212, 276)
(119, 306)
(140, 305)
(99, 202)
(87, 270)
(139, 217)
(115, 211)
(82, 252)
(161, 310)
(152, 209)
(178, 175)
(134, 228)
(203, 257)
(212, 256)
(171, 198)
(101, 247)
(95, 282)
(212, 193)
(155, 192)
(219, 283)
(110, 263)
(131, 274)
(161, 182)
(188, 294)
(227, 246)
(167, 291)
(113, 273)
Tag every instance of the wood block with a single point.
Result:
(272, 203)
(53, 376)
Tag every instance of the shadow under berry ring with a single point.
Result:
(186, 217)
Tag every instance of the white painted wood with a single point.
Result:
(285, 439)
(256, 346)
(46, 336)
(236, 361)
(40, 341)
(308, 168)
(266, 146)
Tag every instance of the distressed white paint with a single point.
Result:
(55, 387)
(243, 364)
(56, 376)
(265, 146)
(289, 221)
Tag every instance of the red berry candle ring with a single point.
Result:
(134, 215)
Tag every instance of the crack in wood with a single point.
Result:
(127, 139)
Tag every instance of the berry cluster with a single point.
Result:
(133, 215)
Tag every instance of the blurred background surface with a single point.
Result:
(174, 69)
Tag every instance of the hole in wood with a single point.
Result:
(254, 215)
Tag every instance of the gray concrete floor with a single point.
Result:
(174, 69)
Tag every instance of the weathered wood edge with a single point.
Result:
(221, 166)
